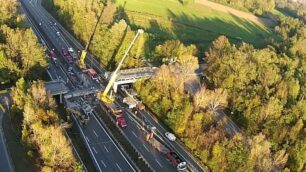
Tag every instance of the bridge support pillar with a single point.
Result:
(61, 98)
(115, 87)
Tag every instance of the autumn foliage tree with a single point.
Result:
(41, 127)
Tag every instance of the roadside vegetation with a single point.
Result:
(41, 133)
(35, 137)
(262, 90)
(18, 47)
(113, 35)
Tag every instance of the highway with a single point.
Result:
(103, 150)
(136, 136)
(5, 161)
(177, 146)
(133, 133)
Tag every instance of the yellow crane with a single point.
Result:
(84, 52)
(104, 97)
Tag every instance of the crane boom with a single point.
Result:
(104, 97)
(84, 52)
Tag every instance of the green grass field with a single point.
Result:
(192, 23)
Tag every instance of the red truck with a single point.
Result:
(51, 53)
(68, 59)
(93, 74)
(67, 56)
(64, 52)
(120, 120)
(174, 159)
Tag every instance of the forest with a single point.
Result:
(261, 90)
(33, 112)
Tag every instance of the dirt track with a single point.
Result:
(241, 14)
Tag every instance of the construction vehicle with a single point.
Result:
(140, 106)
(104, 97)
(131, 99)
(72, 53)
(174, 159)
(82, 118)
(115, 110)
(84, 52)
(93, 74)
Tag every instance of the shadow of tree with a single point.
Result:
(191, 28)
(200, 31)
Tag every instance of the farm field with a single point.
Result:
(197, 22)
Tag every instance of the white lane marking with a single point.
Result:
(87, 138)
(50, 75)
(103, 163)
(113, 143)
(105, 148)
(134, 134)
(95, 133)
(118, 167)
(95, 150)
(159, 163)
(146, 148)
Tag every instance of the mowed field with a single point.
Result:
(199, 22)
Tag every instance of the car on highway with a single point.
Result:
(64, 51)
(176, 161)
(70, 50)
(52, 53)
(120, 120)
(58, 34)
(170, 136)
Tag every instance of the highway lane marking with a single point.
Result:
(95, 150)
(95, 133)
(146, 148)
(134, 134)
(118, 167)
(105, 148)
(159, 163)
(87, 138)
(103, 163)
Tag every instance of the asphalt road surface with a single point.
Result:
(5, 161)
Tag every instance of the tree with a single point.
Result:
(297, 157)
(108, 13)
(280, 160)
(210, 100)
(18, 93)
(295, 130)
(18, 51)
(171, 50)
(8, 12)
(260, 155)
